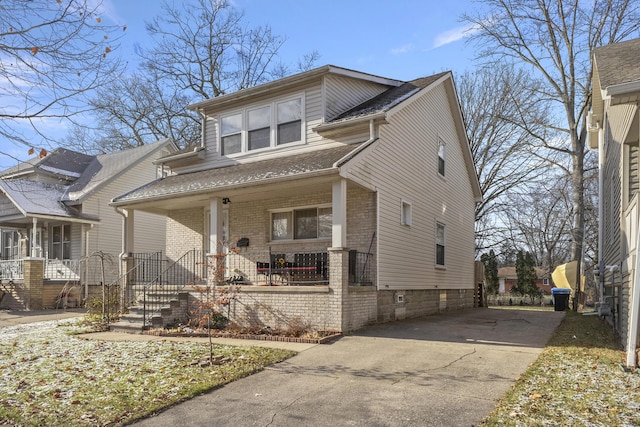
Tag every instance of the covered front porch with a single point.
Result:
(294, 249)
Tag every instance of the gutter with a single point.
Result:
(623, 88)
(197, 152)
(349, 122)
(264, 181)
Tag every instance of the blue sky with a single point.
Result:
(402, 39)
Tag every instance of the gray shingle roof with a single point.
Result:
(618, 63)
(105, 167)
(387, 99)
(293, 166)
(67, 163)
(38, 198)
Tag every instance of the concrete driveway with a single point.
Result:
(443, 370)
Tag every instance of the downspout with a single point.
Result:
(601, 261)
(634, 317)
(203, 127)
(86, 264)
(123, 254)
(632, 338)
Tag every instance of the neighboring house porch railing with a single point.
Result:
(11, 270)
(62, 269)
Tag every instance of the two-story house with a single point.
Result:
(614, 129)
(54, 211)
(333, 196)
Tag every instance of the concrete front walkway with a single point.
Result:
(443, 370)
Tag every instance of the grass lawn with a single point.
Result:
(578, 380)
(51, 378)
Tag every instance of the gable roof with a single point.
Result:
(104, 167)
(387, 99)
(88, 174)
(291, 81)
(262, 171)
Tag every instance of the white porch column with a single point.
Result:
(215, 226)
(339, 213)
(127, 231)
(34, 234)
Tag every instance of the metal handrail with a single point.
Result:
(189, 269)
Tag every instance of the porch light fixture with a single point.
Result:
(226, 200)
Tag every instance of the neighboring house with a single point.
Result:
(56, 209)
(614, 126)
(360, 187)
(508, 279)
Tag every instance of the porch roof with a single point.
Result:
(239, 175)
(41, 200)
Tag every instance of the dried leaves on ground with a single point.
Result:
(49, 377)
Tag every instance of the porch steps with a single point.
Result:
(175, 311)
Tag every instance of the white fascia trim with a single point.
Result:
(414, 96)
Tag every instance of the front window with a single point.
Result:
(10, 245)
(307, 223)
(60, 242)
(440, 244)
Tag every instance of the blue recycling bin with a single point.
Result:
(560, 297)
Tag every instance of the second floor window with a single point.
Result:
(231, 136)
(263, 127)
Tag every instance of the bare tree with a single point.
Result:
(494, 102)
(136, 110)
(553, 39)
(201, 49)
(540, 221)
(52, 54)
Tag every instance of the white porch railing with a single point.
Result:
(61, 269)
(11, 270)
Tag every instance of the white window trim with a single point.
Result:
(244, 132)
(405, 207)
(292, 209)
(435, 246)
(443, 145)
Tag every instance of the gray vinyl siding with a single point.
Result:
(6, 207)
(323, 100)
(149, 229)
(343, 93)
(403, 166)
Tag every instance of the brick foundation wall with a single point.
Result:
(398, 305)
(279, 306)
